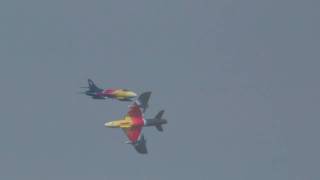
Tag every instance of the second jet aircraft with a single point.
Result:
(97, 93)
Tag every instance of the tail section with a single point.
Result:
(93, 87)
(157, 121)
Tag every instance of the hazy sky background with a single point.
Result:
(239, 81)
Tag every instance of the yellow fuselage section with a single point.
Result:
(122, 123)
(124, 94)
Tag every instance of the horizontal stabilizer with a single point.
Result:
(159, 128)
(159, 115)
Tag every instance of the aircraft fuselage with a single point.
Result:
(119, 94)
(115, 93)
(129, 122)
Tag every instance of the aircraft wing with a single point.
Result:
(143, 100)
(141, 146)
(136, 139)
(98, 97)
(133, 133)
(136, 116)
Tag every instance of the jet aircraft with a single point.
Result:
(97, 93)
(133, 122)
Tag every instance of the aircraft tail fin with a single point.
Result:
(159, 115)
(93, 87)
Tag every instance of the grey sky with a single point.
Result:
(239, 81)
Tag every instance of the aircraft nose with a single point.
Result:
(133, 94)
(108, 124)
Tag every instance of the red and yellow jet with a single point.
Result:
(97, 93)
(133, 122)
